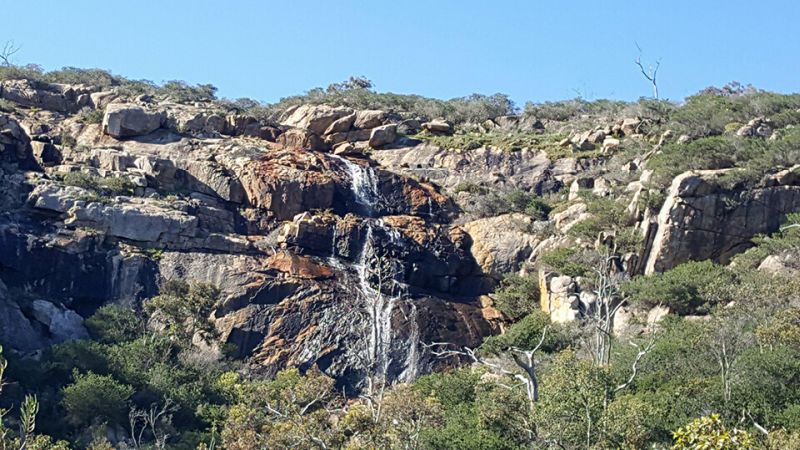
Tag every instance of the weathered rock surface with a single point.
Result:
(524, 169)
(53, 97)
(315, 118)
(702, 219)
(500, 245)
(123, 120)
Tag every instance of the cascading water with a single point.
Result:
(378, 287)
(363, 184)
(374, 283)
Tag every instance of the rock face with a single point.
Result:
(52, 97)
(121, 120)
(525, 169)
(315, 118)
(295, 237)
(500, 245)
(702, 219)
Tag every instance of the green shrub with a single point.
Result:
(569, 109)
(182, 92)
(517, 296)
(529, 204)
(96, 398)
(102, 187)
(7, 106)
(710, 432)
(708, 113)
(112, 324)
(29, 72)
(73, 75)
(89, 115)
(565, 261)
(82, 180)
(508, 141)
(527, 333)
(185, 309)
(472, 188)
(692, 287)
(117, 186)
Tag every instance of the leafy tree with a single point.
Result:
(688, 288)
(287, 411)
(185, 309)
(113, 324)
(517, 296)
(571, 407)
(709, 432)
(92, 397)
(630, 422)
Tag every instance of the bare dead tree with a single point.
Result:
(525, 360)
(9, 49)
(642, 350)
(601, 316)
(650, 73)
(152, 420)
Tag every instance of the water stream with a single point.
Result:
(378, 287)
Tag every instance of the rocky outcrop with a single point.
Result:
(123, 120)
(758, 127)
(383, 135)
(63, 98)
(524, 169)
(704, 219)
(315, 118)
(501, 244)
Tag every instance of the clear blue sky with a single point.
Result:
(532, 50)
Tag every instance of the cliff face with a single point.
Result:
(335, 238)
(322, 259)
(702, 219)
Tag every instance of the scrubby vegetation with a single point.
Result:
(99, 187)
(721, 370)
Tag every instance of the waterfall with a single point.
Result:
(363, 184)
(412, 356)
(387, 356)
(379, 305)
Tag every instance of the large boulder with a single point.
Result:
(341, 125)
(141, 221)
(438, 126)
(383, 135)
(703, 219)
(300, 138)
(288, 181)
(758, 127)
(62, 324)
(369, 118)
(14, 143)
(501, 244)
(315, 118)
(124, 120)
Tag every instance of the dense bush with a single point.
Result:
(113, 324)
(92, 397)
(710, 111)
(517, 296)
(99, 186)
(569, 109)
(566, 261)
(527, 332)
(688, 288)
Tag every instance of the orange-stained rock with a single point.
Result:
(288, 182)
(298, 266)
